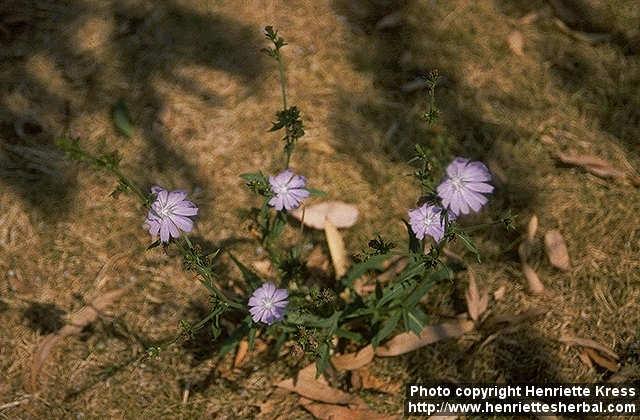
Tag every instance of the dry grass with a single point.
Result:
(202, 97)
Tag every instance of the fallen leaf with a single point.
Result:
(389, 21)
(529, 18)
(516, 43)
(605, 362)
(587, 37)
(336, 249)
(241, 353)
(368, 380)
(413, 85)
(584, 358)
(121, 118)
(353, 361)
(592, 164)
(509, 320)
(341, 214)
(533, 281)
(499, 294)
(627, 373)
(337, 412)
(75, 324)
(307, 386)
(557, 250)
(588, 343)
(409, 341)
(477, 302)
(532, 228)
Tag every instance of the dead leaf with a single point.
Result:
(241, 353)
(509, 320)
(584, 358)
(588, 343)
(338, 412)
(529, 18)
(586, 37)
(477, 302)
(307, 386)
(389, 21)
(499, 294)
(409, 341)
(336, 249)
(592, 164)
(414, 85)
(532, 228)
(368, 380)
(75, 324)
(341, 214)
(533, 281)
(516, 43)
(353, 361)
(605, 362)
(557, 250)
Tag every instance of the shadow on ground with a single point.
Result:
(146, 44)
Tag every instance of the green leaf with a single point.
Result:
(414, 319)
(232, 341)
(121, 118)
(404, 282)
(349, 335)
(322, 362)
(154, 245)
(252, 279)
(251, 338)
(423, 287)
(414, 243)
(387, 328)
(468, 243)
(359, 269)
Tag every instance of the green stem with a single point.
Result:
(283, 81)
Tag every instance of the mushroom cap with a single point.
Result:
(340, 214)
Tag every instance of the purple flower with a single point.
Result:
(267, 304)
(169, 214)
(288, 189)
(466, 182)
(427, 220)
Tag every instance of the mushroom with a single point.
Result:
(330, 216)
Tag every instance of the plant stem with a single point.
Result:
(283, 81)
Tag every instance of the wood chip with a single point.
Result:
(353, 361)
(409, 341)
(557, 250)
